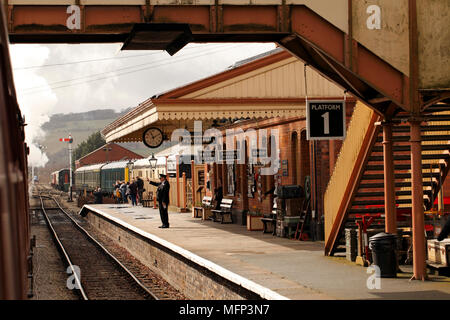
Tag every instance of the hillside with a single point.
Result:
(80, 125)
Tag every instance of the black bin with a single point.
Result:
(384, 253)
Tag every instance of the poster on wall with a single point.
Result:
(230, 179)
(250, 181)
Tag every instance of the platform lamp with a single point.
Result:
(130, 165)
(153, 161)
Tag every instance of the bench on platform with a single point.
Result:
(148, 202)
(206, 203)
(270, 219)
(226, 207)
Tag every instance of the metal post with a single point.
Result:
(389, 180)
(70, 169)
(184, 192)
(193, 184)
(418, 223)
(178, 180)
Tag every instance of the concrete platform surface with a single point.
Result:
(292, 269)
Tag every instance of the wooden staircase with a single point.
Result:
(368, 193)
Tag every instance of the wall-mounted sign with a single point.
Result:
(259, 153)
(230, 155)
(208, 156)
(197, 140)
(325, 120)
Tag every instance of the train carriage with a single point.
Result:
(112, 172)
(88, 177)
(63, 180)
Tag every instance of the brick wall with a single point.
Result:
(298, 166)
(194, 281)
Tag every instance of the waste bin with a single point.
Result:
(384, 253)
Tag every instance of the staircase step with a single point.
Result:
(438, 107)
(397, 185)
(408, 157)
(366, 210)
(428, 118)
(438, 117)
(441, 137)
(377, 202)
(372, 194)
(380, 194)
(379, 167)
(398, 176)
(405, 148)
(422, 128)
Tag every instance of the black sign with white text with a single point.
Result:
(325, 120)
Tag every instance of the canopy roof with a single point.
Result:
(271, 85)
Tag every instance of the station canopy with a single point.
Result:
(268, 85)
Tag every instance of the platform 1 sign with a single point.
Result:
(325, 120)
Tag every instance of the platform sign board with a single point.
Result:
(325, 120)
(230, 155)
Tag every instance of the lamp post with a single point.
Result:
(153, 161)
(130, 165)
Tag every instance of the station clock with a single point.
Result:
(153, 137)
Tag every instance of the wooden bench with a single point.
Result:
(206, 203)
(225, 209)
(149, 201)
(270, 219)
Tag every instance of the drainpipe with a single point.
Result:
(418, 223)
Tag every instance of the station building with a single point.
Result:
(107, 153)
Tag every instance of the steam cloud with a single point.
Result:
(35, 107)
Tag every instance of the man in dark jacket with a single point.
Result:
(140, 188)
(218, 194)
(133, 192)
(162, 196)
(98, 195)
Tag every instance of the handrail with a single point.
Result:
(348, 171)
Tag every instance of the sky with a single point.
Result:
(67, 78)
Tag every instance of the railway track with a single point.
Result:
(96, 274)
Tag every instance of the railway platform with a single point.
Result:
(249, 263)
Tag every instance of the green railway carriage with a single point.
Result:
(113, 172)
(88, 177)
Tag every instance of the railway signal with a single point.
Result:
(69, 140)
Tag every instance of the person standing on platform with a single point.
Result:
(98, 194)
(133, 193)
(162, 196)
(140, 188)
(218, 194)
(123, 192)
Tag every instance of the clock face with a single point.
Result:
(153, 137)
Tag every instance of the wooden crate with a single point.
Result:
(254, 223)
